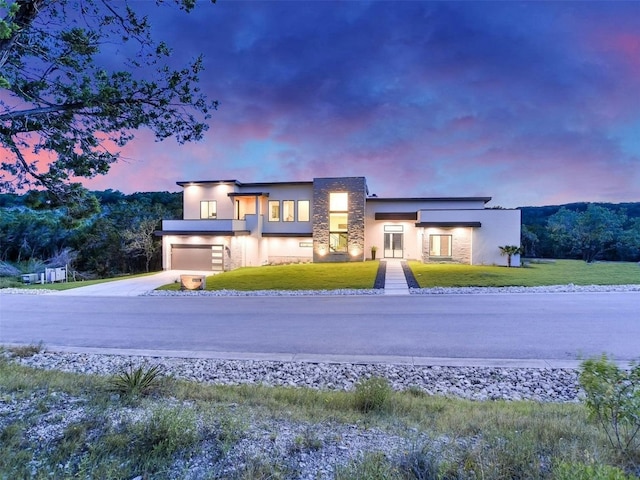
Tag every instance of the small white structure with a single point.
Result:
(229, 224)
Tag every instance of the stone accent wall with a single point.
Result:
(232, 254)
(460, 248)
(357, 189)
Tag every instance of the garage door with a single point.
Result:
(197, 257)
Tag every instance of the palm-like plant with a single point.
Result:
(510, 251)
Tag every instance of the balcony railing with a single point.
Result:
(204, 225)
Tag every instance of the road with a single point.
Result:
(558, 326)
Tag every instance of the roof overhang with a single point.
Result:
(396, 216)
(287, 235)
(247, 194)
(430, 199)
(207, 233)
(449, 224)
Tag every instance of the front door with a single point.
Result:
(393, 245)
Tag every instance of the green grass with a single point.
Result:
(560, 272)
(15, 283)
(307, 276)
(118, 437)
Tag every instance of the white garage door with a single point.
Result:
(197, 257)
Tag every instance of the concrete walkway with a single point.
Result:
(395, 282)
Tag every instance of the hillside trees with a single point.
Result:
(588, 234)
(66, 108)
(118, 238)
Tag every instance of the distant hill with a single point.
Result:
(539, 215)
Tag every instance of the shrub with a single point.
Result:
(25, 351)
(139, 381)
(613, 401)
(372, 394)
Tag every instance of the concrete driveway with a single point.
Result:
(128, 287)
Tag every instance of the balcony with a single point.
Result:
(204, 227)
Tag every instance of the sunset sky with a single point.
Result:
(532, 103)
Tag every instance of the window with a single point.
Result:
(274, 210)
(338, 202)
(287, 210)
(338, 222)
(338, 242)
(303, 210)
(440, 245)
(208, 209)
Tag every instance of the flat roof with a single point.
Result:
(240, 184)
(429, 199)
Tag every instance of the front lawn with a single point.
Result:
(559, 272)
(307, 276)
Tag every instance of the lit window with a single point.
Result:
(338, 201)
(338, 242)
(338, 222)
(303, 210)
(287, 210)
(440, 245)
(274, 211)
(208, 209)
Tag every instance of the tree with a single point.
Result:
(510, 251)
(589, 233)
(64, 111)
(529, 241)
(140, 240)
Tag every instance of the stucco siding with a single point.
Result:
(499, 227)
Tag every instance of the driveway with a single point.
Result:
(128, 287)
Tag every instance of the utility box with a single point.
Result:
(30, 278)
(53, 275)
(192, 282)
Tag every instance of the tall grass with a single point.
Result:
(114, 438)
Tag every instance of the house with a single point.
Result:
(230, 224)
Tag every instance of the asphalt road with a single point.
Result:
(509, 327)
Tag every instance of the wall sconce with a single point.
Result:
(322, 250)
(354, 251)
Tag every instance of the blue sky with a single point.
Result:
(532, 103)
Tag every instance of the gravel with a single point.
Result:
(474, 383)
(304, 449)
(570, 288)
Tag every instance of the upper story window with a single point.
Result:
(288, 213)
(208, 209)
(303, 210)
(338, 201)
(274, 210)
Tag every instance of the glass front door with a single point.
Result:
(393, 245)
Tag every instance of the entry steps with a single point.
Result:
(395, 283)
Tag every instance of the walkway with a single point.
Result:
(395, 282)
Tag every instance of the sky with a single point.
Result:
(531, 103)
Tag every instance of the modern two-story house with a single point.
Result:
(229, 224)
